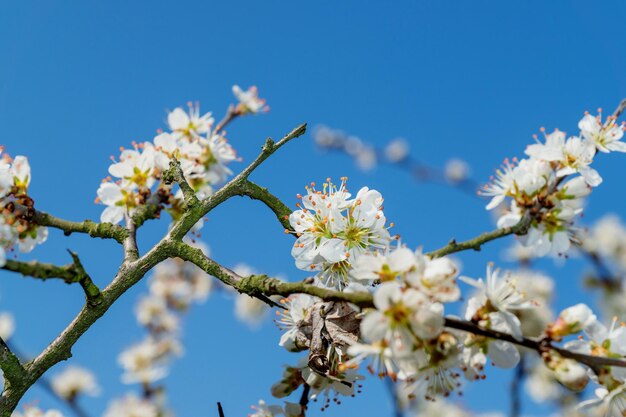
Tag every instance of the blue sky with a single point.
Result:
(456, 79)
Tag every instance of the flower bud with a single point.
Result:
(571, 374)
(571, 320)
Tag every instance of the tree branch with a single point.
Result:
(93, 229)
(234, 187)
(131, 252)
(175, 174)
(130, 272)
(70, 274)
(256, 285)
(620, 108)
(262, 194)
(92, 292)
(231, 114)
(476, 243)
(14, 372)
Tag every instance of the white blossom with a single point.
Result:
(606, 136)
(31, 411)
(249, 101)
(131, 406)
(73, 381)
(397, 150)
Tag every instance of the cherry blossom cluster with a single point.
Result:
(405, 337)
(598, 340)
(334, 230)
(548, 187)
(17, 231)
(200, 147)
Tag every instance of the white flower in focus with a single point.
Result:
(607, 403)
(20, 169)
(297, 307)
(493, 307)
(135, 168)
(190, 124)
(131, 406)
(381, 358)
(571, 374)
(373, 266)
(216, 154)
(333, 231)
(342, 383)
(501, 291)
(436, 278)
(249, 101)
(604, 342)
(573, 155)
(6, 177)
(401, 315)
(397, 150)
(74, 381)
(572, 320)
(502, 185)
(606, 137)
(119, 201)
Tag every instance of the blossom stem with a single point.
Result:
(476, 243)
(231, 114)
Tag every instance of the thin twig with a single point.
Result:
(620, 109)
(91, 290)
(231, 114)
(220, 411)
(476, 243)
(175, 174)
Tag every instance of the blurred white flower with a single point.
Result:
(131, 406)
(30, 411)
(397, 150)
(74, 381)
(456, 170)
(7, 326)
